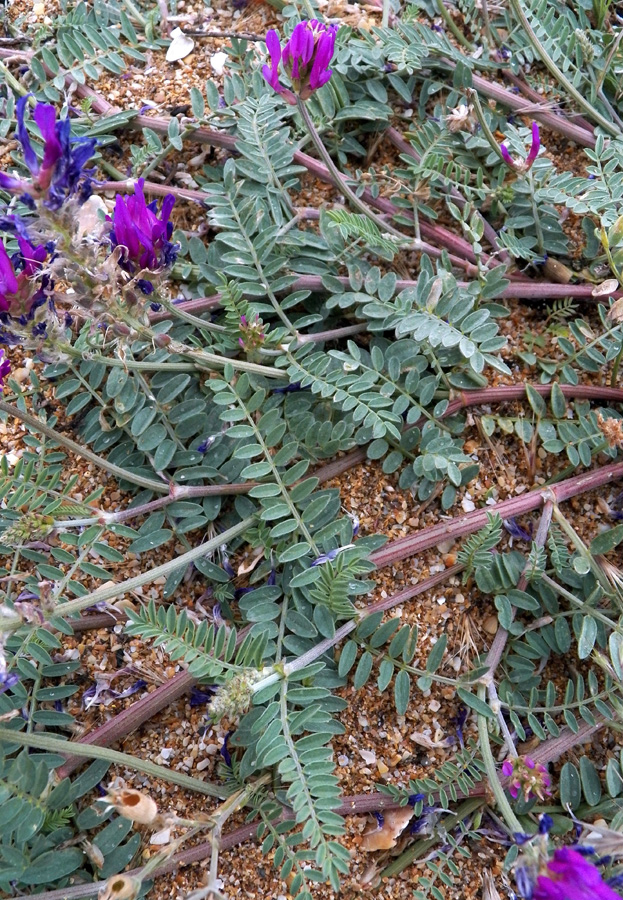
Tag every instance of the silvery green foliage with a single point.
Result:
(148, 407)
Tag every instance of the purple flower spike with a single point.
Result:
(5, 369)
(61, 173)
(569, 876)
(525, 165)
(8, 279)
(143, 237)
(305, 59)
(271, 72)
(30, 157)
(536, 146)
(508, 159)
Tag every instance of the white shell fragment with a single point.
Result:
(180, 46)
(218, 62)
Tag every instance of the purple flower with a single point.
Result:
(224, 750)
(8, 681)
(330, 555)
(143, 237)
(519, 165)
(516, 531)
(569, 876)
(61, 171)
(5, 368)
(459, 721)
(304, 58)
(18, 295)
(199, 697)
(529, 778)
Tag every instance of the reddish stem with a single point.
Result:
(557, 123)
(517, 290)
(515, 506)
(130, 719)
(533, 95)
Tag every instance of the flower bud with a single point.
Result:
(615, 233)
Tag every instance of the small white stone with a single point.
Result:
(39, 9)
(368, 756)
(218, 62)
(161, 837)
(468, 504)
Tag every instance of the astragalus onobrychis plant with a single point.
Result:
(221, 375)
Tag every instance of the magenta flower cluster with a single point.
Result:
(60, 174)
(523, 165)
(527, 777)
(304, 58)
(20, 295)
(570, 876)
(142, 235)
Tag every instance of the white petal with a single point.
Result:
(180, 46)
(218, 62)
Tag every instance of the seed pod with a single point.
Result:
(120, 887)
(134, 805)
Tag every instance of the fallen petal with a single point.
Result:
(180, 46)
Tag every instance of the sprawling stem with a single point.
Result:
(339, 178)
(150, 484)
(110, 591)
(57, 745)
(560, 77)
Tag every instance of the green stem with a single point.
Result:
(339, 179)
(564, 82)
(12, 81)
(615, 368)
(212, 361)
(163, 154)
(115, 757)
(494, 782)
(135, 13)
(188, 317)
(115, 174)
(540, 238)
(474, 99)
(386, 11)
(138, 366)
(453, 27)
(37, 425)
(108, 592)
(583, 550)
(423, 847)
